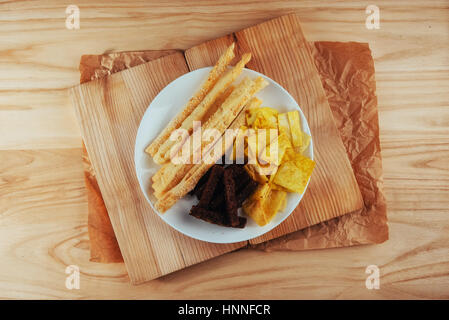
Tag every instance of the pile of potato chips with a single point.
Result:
(280, 172)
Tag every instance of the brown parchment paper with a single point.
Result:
(348, 77)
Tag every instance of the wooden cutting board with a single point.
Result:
(109, 111)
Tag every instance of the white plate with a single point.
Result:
(164, 107)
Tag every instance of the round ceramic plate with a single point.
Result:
(162, 109)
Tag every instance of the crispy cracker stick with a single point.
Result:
(174, 175)
(155, 178)
(234, 104)
(164, 152)
(219, 121)
(219, 68)
(196, 172)
(159, 173)
(211, 185)
(218, 103)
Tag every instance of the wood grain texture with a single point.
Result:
(41, 176)
(281, 52)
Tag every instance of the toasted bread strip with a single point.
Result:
(196, 172)
(220, 120)
(219, 68)
(164, 152)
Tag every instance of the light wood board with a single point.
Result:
(43, 208)
(109, 111)
(280, 51)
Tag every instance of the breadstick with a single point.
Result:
(219, 68)
(163, 154)
(169, 167)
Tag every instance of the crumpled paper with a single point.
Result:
(348, 77)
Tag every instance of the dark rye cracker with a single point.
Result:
(214, 209)
(214, 177)
(198, 190)
(230, 198)
(241, 178)
(215, 217)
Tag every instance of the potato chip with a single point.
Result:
(273, 174)
(262, 118)
(294, 174)
(283, 125)
(289, 169)
(295, 128)
(284, 143)
(275, 203)
(305, 142)
(262, 192)
(254, 173)
(255, 210)
(254, 207)
(304, 164)
(289, 154)
(274, 186)
(268, 150)
(279, 146)
(252, 150)
(266, 119)
(264, 203)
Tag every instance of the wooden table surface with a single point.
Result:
(43, 208)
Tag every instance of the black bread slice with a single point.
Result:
(214, 217)
(241, 179)
(230, 198)
(209, 188)
(248, 190)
